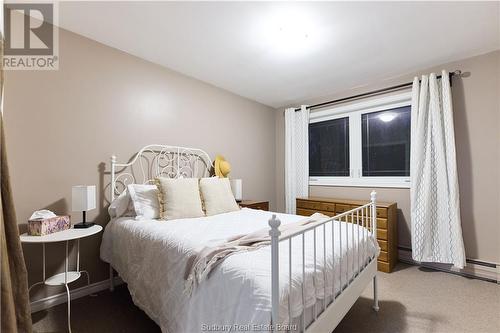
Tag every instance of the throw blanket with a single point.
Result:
(203, 262)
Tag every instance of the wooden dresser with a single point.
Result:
(387, 232)
(255, 204)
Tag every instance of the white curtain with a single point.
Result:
(436, 231)
(296, 156)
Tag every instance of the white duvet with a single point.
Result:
(151, 256)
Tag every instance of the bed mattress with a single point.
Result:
(151, 257)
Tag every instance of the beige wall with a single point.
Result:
(476, 104)
(63, 126)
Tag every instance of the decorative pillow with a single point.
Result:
(145, 200)
(217, 196)
(179, 198)
(121, 206)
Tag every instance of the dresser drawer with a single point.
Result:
(381, 228)
(381, 234)
(382, 212)
(341, 208)
(309, 212)
(383, 266)
(314, 205)
(261, 206)
(305, 212)
(331, 214)
(382, 244)
(381, 223)
(329, 207)
(383, 256)
(253, 204)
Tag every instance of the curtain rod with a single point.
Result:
(374, 93)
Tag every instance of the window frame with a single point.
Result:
(354, 111)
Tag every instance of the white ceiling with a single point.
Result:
(260, 50)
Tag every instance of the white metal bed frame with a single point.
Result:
(173, 161)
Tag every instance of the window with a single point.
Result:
(386, 142)
(362, 144)
(329, 148)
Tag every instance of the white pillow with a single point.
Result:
(179, 198)
(145, 200)
(121, 206)
(217, 196)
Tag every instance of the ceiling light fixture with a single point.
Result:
(288, 32)
(289, 35)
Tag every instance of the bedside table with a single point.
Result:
(66, 277)
(262, 205)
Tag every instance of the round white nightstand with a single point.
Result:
(66, 277)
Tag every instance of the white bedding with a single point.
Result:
(151, 256)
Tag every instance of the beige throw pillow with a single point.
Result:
(179, 198)
(217, 196)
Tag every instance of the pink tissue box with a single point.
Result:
(42, 227)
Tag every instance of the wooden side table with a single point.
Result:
(65, 278)
(254, 204)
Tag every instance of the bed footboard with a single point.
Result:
(364, 267)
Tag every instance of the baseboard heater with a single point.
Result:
(476, 269)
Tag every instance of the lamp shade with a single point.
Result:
(82, 198)
(236, 187)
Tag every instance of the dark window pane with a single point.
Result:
(386, 142)
(329, 148)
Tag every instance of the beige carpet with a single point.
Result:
(415, 299)
(412, 299)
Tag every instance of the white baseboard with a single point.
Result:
(50, 301)
(470, 270)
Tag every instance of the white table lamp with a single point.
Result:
(83, 199)
(236, 187)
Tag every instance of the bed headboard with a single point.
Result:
(158, 160)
